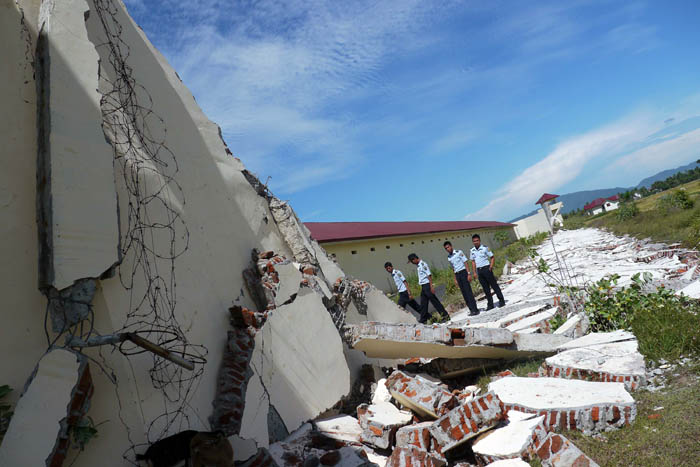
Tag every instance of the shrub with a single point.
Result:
(676, 200)
(627, 211)
(665, 324)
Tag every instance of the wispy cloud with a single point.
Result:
(295, 85)
(563, 165)
(634, 145)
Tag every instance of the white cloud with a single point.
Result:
(563, 165)
(672, 152)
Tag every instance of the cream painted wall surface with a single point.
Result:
(368, 261)
(22, 307)
(223, 219)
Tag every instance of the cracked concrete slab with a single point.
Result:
(298, 365)
(568, 404)
(596, 338)
(42, 411)
(512, 440)
(78, 204)
(616, 362)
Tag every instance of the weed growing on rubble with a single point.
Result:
(665, 324)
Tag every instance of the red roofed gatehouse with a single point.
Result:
(362, 248)
(543, 220)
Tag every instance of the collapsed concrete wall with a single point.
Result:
(145, 224)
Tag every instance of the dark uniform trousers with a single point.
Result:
(488, 282)
(466, 288)
(404, 300)
(425, 296)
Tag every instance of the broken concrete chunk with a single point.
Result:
(341, 427)
(539, 343)
(557, 451)
(519, 435)
(424, 397)
(381, 393)
(55, 399)
(596, 338)
(536, 320)
(386, 340)
(416, 436)
(617, 362)
(71, 305)
(568, 404)
(575, 327)
(380, 422)
(467, 421)
(413, 457)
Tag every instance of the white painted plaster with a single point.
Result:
(596, 338)
(557, 393)
(618, 358)
(509, 440)
(35, 424)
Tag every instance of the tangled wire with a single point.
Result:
(156, 235)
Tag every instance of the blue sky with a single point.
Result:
(449, 110)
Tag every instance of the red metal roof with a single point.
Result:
(546, 197)
(338, 231)
(599, 202)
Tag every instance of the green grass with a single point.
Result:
(514, 252)
(662, 225)
(519, 368)
(671, 440)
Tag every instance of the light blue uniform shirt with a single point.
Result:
(398, 279)
(423, 272)
(481, 256)
(457, 260)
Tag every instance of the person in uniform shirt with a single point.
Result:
(483, 260)
(405, 297)
(461, 265)
(427, 292)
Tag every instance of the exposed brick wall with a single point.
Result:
(631, 382)
(413, 457)
(425, 398)
(557, 451)
(588, 420)
(77, 409)
(233, 381)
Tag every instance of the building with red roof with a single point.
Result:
(543, 220)
(362, 248)
(600, 205)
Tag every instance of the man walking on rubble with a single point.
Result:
(427, 292)
(405, 296)
(460, 266)
(483, 260)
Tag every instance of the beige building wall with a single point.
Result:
(364, 259)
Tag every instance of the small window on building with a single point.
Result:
(354, 252)
(371, 249)
(422, 241)
(431, 240)
(400, 245)
(387, 247)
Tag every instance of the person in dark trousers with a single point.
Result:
(461, 266)
(483, 260)
(427, 292)
(405, 296)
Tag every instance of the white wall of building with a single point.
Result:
(538, 222)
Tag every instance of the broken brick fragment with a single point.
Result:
(379, 423)
(426, 398)
(415, 436)
(467, 421)
(558, 451)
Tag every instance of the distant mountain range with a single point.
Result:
(578, 199)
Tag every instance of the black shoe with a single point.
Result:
(490, 307)
(501, 304)
(473, 313)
